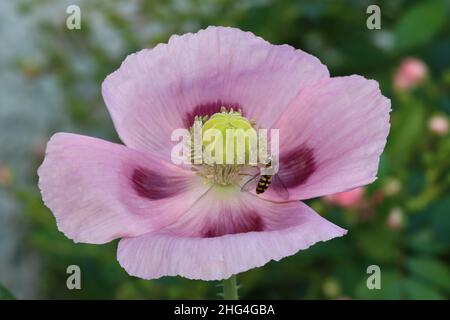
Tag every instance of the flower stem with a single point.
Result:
(230, 290)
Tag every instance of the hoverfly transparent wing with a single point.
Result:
(278, 187)
(251, 184)
(253, 175)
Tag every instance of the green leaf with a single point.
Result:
(390, 287)
(377, 243)
(408, 122)
(420, 24)
(432, 271)
(5, 294)
(418, 291)
(425, 242)
(440, 220)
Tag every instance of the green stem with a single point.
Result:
(230, 290)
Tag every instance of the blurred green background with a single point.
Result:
(50, 81)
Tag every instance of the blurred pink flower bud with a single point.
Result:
(343, 298)
(5, 176)
(348, 199)
(30, 69)
(438, 125)
(392, 187)
(331, 288)
(411, 72)
(395, 219)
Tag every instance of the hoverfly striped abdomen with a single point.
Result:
(264, 181)
(263, 184)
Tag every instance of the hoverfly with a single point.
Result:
(261, 183)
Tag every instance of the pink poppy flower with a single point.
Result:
(347, 199)
(171, 219)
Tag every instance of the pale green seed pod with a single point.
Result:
(229, 137)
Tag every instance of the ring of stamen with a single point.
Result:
(223, 172)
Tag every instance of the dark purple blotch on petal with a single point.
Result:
(296, 166)
(151, 185)
(207, 109)
(227, 224)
